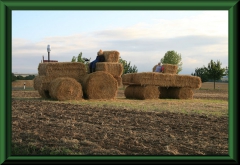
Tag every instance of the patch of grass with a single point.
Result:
(199, 106)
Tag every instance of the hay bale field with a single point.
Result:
(111, 56)
(142, 92)
(115, 69)
(65, 88)
(175, 93)
(161, 79)
(99, 85)
(62, 69)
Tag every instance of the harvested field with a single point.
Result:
(120, 126)
(116, 131)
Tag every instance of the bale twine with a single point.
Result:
(37, 82)
(99, 85)
(115, 69)
(169, 68)
(111, 56)
(62, 69)
(142, 92)
(65, 88)
(175, 93)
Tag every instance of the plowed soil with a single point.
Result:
(116, 131)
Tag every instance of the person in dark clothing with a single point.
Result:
(100, 58)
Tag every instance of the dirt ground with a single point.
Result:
(117, 131)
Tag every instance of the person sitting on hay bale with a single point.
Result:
(158, 68)
(100, 58)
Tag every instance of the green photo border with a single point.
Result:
(6, 7)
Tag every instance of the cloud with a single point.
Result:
(197, 38)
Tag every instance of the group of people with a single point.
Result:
(100, 58)
(159, 68)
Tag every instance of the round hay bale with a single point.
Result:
(37, 82)
(43, 92)
(142, 92)
(65, 88)
(119, 80)
(99, 85)
(175, 93)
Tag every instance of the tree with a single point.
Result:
(226, 71)
(29, 77)
(81, 59)
(74, 59)
(127, 68)
(172, 57)
(214, 71)
(202, 73)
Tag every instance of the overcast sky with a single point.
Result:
(141, 37)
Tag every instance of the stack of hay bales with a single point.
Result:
(111, 65)
(169, 85)
(47, 72)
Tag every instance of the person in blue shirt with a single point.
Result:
(100, 58)
(158, 68)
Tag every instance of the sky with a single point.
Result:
(141, 37)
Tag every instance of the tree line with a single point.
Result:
(29, 77)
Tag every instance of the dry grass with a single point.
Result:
(20, 83)
(218, 86)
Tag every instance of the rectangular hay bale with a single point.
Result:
(115, 69)
(62, 69)
(111, 56)
(161, 79)
(169, 68)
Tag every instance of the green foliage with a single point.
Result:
(79, 58)
(214, 71)
(172, 57)
(29, 77)
(127, 68)
(74, 59)
(202, 73)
